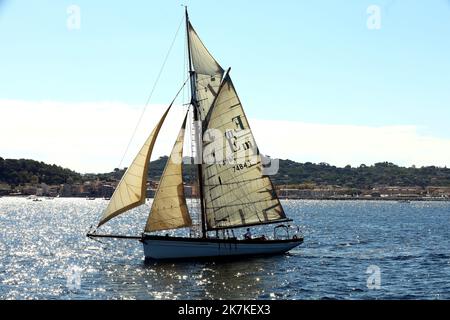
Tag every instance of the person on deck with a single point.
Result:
(248, 235)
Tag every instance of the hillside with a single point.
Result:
(155, 171)
(17, 172)
(362, 177)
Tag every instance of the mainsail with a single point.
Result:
(236, 193)
(169, 209)
(208, 73)
(131, 190)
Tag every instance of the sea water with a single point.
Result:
(352, 250)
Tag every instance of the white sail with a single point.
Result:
(208, 72)
(236, 193)
(169, 209)
(131, 190)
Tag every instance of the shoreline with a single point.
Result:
(403, 199)
(396, 199)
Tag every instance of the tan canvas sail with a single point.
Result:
(235, 190)
(131, 191)
(208, 72)
(169, 209)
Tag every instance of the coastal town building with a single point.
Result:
(105, 189)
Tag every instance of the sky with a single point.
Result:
(342, 82)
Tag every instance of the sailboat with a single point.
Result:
(233, 189)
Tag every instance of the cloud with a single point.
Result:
(87, 137)
(92, 137)
(350, 144)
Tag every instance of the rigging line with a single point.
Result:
(243, 204)
(185, 64)
(233, 191)
(152, 91)
(239, 197)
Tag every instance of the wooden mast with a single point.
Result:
(198, 135)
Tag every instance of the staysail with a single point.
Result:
(236, 193)
(169, 210)
(131, 190)
(208, 73)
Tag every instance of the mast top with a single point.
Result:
(188, 44)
